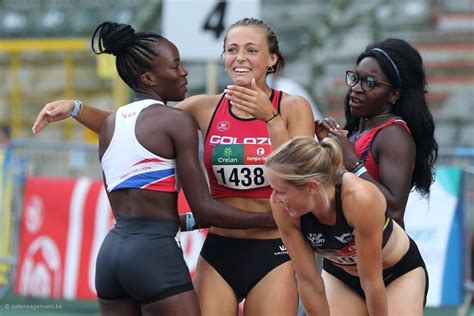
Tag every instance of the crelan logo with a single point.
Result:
(228, 152)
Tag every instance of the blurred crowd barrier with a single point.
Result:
(38, 71)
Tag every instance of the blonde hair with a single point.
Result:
(303, 159)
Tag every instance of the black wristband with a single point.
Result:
(275, 114)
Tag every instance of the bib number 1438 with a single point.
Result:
(240, 177)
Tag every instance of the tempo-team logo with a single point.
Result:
(223, 126)
(260, 151)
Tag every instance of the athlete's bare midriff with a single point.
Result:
(394, 250)
(251, 205)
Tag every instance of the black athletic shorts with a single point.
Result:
(140, 259)
(410, 261)
(242, 263)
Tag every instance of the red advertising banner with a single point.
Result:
(63, 224)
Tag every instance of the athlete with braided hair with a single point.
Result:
(140, 269)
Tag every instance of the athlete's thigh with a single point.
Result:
(275, 294)
(406, 294)
(342, 299)
(184, 303)
(216, 297)
(125, 307)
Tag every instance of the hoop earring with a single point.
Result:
(270, 69)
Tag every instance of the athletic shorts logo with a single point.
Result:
(281, 251)
(223, 126)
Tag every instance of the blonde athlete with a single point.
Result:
(371, 266)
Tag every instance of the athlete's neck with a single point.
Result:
(367, 123)
(141, 95)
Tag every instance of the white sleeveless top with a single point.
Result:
(127, 164)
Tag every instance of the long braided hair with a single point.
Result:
(134, 51)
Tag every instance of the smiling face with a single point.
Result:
(296, 200)
(167, 74)
(375, 101)
(246, 55)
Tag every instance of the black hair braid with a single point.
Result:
(135, 51)
(113, 38)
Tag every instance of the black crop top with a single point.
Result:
(337, 242)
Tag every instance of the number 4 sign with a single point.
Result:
(198, 27)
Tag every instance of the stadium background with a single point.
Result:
(45, 55)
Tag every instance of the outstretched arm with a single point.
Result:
(90, 117)
(206, 210)
(309, 280)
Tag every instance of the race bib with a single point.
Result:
(344, 256)
(344, 260)
(240, 166)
